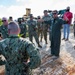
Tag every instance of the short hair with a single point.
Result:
(13, 26)
(55, 11)
(45, 11)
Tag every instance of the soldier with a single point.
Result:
(23, 28)
(51, 16)
(10, 18)
(32, 26)
(21, 55)
(4, 33)
(1, 61)
(74, 28)
(40, 28)
(3, 28)
(56, 35)
(46, 19)
(24, 22)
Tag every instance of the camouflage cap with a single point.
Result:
(38, 17)
(31, 15)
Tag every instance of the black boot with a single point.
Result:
(39, 46)
(46, 42)
(63, 38)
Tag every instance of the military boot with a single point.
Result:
(46, 42)
(40, 40)
(39, 46)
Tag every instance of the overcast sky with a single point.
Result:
(17, 8)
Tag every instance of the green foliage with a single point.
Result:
(0, 21)
(22, 34)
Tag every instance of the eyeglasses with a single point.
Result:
(3, 20)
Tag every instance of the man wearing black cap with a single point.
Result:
(68, 19)
(32, 26)
(46, 19)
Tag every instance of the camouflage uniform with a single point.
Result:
(32, 30)
(23, 29)
(40, 30)
(17, 51)
(45, 26)
(4, 31)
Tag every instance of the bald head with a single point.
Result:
(13, 28)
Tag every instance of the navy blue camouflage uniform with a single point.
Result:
(17, 51)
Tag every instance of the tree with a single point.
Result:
(0, 21)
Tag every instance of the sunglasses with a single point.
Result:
(54, 13)
(3, 20)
